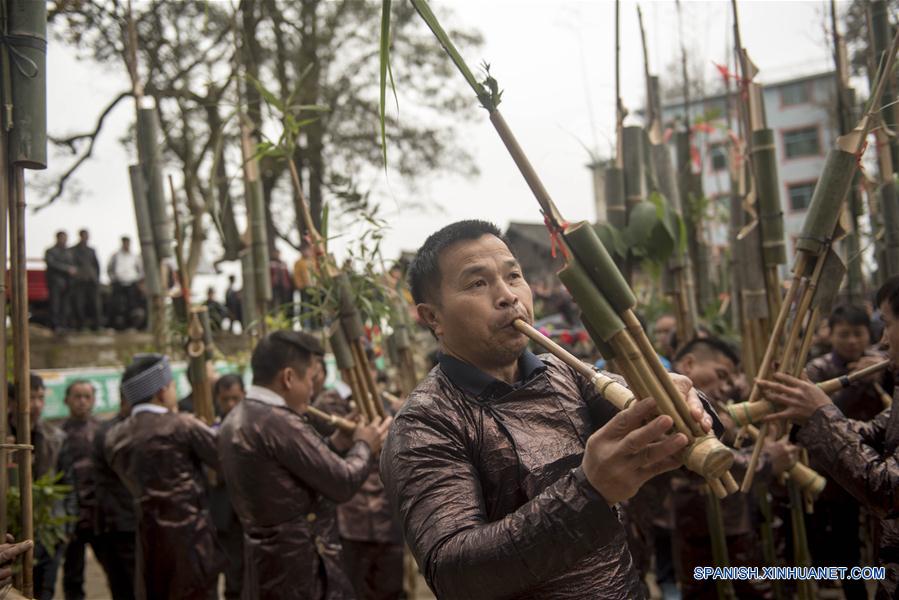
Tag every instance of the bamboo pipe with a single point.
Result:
(338, 422)
(366, 397)
(21, 362)
(622, 398)
(832, 385)
(368, 381)
(884, 397)
(349, 377)
(4, 368)
(183, 275)
(650, 356)
(780, 323)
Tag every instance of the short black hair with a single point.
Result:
(280, 350)
(226, 381)
(708, 344)
(424, 272)
(889, 294)
(140, 364)
(850, 314)
(35, 381)
(78, 382)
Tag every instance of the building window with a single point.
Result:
(800, 195)
(796, 93)
(802, 142)
(718, 153)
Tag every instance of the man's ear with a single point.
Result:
(428, 315)
(687, 363)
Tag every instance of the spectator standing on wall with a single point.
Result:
(86, 288)
(60, 270)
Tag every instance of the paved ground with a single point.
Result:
(95, 583)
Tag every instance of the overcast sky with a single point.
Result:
(553, 58)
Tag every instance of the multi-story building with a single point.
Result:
(800, 111)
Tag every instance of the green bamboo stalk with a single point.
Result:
(599, 266)
(827, 200)
(595, 308)
(349, 314)
(256, 213)
(148, 151)
(880, 26)
(26, 40)
(718, 537)
(769, 553)
(634, 173)
(152, 281)
(764, 165)
(248, 292)
(690, 191)
(341, 350)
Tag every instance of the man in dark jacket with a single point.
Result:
(833, 527)
(227, 393)
(115, 524)
(159, 455)
(369, 532)
(862, 457)
(50, 457)
(60, 270)
(86, 283)
(284, 479)
(506, 467)
(80, 428)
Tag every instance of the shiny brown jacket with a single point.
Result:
(366, 517)
(160, 457)
(79, 442)
(284, 482)
(115, 504)
(863, 457)
(492, 498)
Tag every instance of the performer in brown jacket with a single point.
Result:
(285, 479)
(159, 454)
(506, 467)
(860, 456)
(369, 532)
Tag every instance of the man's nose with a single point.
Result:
(506, 297)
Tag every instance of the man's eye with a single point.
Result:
(514, 275)
(478, 283)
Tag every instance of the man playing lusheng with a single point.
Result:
(505, 467)
(285, 479)
(860, 456)
(159, 454)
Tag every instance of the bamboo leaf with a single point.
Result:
(271, 98)
(384, 56)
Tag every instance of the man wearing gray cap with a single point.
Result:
(158, 453)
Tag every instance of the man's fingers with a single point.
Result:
(662, 466)
(10, 552)
(385, 425)
(773, 390)
(637, 440)
(628, 420)
(663, 449)
(789, 380)
(787, 414)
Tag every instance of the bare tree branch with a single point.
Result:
(71, 142)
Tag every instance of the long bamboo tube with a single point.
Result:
(201, 391)
(4, 211)
(622, 398)
(370, 383)
(21, 363)
(718, 538)
(349, 377)
(334, 420)
(367, 391)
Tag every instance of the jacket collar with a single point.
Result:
(481, 385)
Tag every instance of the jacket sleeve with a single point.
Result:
(202, 440)
(55, 263)
(851, 453)
(430, 479)
(305, 453)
